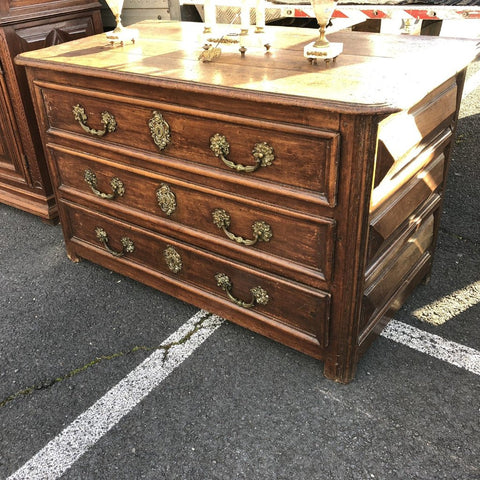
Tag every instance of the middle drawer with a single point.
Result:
(277, 239)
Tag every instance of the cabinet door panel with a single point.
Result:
(10, 158)
(52, 33)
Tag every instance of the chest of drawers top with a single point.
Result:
(376, 73)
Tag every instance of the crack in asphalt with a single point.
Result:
(51, 382)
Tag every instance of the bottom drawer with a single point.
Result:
(195, 275)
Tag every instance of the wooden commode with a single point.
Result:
(300, 201)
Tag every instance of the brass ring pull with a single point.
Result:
(262, 153)
(127, 244)
(117, 186)
(261, 230)
(259, 295)
(108, 120)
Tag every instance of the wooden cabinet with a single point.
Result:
(25, 26)
(300, 201)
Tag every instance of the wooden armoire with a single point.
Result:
(30, 25)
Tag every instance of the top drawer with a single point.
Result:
(299, 157)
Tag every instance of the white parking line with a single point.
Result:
(67, 447)
(433, 345)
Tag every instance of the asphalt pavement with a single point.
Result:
(239, 406)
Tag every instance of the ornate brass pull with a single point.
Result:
(261, 230)
(173, 259)
(259, 295)
(127, 244)
(108, 120)
(262, 153)
(159, 129)
(166, 199)
(117, 186)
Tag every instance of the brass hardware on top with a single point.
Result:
(166, 199)
(173, 259)
(117, 186)
(108, 120)
(262, 153)
(261, 230)
(127, 245)
(159, 129)
(259, 295)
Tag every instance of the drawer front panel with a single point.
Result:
(299, 157)
(244, 287)
(241, 226)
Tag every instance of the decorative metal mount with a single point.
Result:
(107, 119)
(166, 199)
(173, 259)
(261, 230)
(117, 186)
(127, 244)
(259, 295)
(160, 130)
(262, 153)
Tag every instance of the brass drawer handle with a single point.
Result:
(117, 186)
(127, 244)
(261, 230)
(262, 153)
(108, 120)
(166, 199)
(259, 295)
(159, 129)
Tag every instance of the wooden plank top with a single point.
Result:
(375, 72)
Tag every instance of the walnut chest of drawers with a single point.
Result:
(300, 201)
